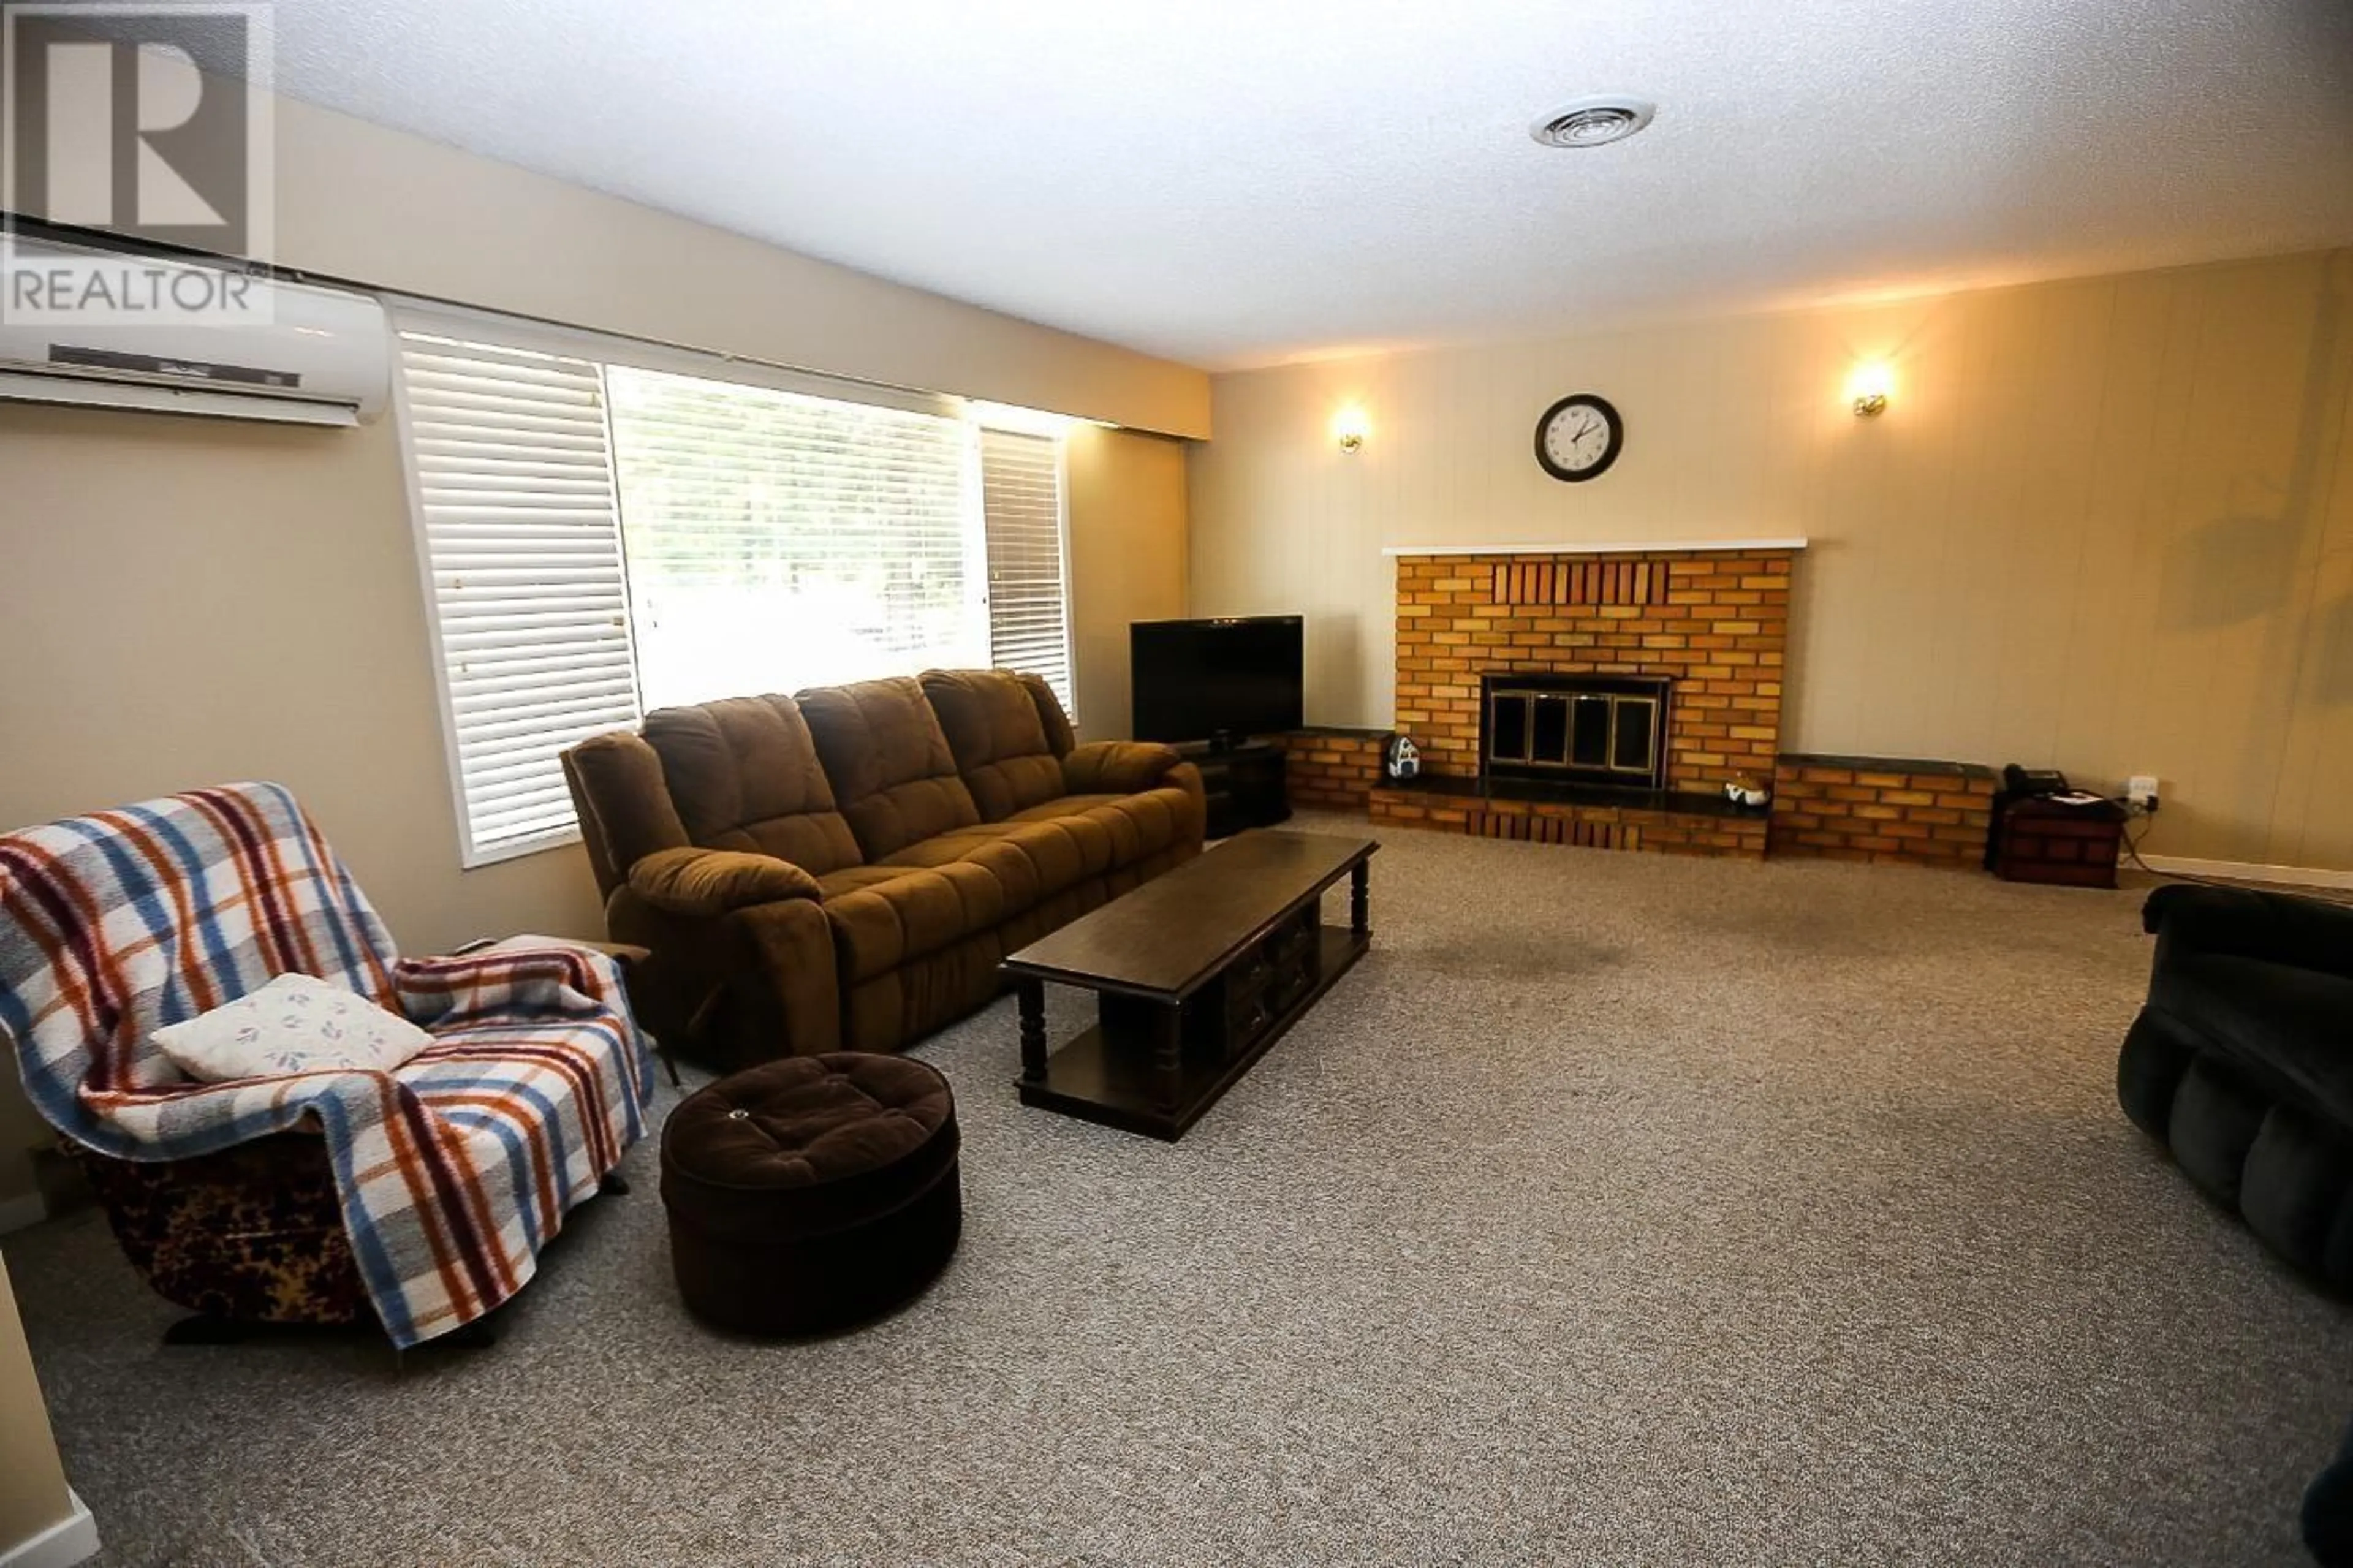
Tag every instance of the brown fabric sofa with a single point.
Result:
(845, 869)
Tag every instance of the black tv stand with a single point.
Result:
(1245, 782)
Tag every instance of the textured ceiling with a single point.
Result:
(1239, 184)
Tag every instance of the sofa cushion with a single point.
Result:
(1065, 805)
(1032, 860)
(998, 738)
(1116, 830)
(880, 925)
(744, 774)
(849, 878)
(1059, 736)
(2297, 1022)
(958, 844)
(888, 762)
(955, 886)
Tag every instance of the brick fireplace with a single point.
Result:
(1714, 622)
(1697, 630)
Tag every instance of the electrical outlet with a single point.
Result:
(2141, 790)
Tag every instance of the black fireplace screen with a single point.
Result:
(1583, 728)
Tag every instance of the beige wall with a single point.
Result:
(359, 202)
(2106, 524)
(1126, 500)
(33, 1496)
(192, 601)
(209, 601)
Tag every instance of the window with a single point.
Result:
(601, 534)
(778, 541)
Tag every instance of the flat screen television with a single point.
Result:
(1219, 681)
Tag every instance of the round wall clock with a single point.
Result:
(1578, 437)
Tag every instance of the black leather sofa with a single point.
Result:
(2241, 1061)
(2328, 1511)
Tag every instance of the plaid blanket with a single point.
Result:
(453, 1171)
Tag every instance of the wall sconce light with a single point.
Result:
(1869, 387)
(1348, 428)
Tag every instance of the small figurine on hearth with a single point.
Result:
(1747, 789)
(1400, 758)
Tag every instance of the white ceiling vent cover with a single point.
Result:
(1594, 122)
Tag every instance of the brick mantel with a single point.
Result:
(1713, 619)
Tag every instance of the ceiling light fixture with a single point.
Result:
(1594, 121)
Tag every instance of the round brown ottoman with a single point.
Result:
(811, 1192)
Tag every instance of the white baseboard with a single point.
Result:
(2248, 871)
(16, 1214)
(63, 1544)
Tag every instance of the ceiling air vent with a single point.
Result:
(1594, 122)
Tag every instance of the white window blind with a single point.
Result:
(778, 541)
(523, 557)
(1021, 489)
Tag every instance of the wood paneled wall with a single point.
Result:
(2105, 524)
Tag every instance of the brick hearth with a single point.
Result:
(1636, 824)
(1887, 809)
(1331, 770)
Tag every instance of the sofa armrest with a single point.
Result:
(2243, 922)
(783, 982)
(716, 881)
(1118, 767)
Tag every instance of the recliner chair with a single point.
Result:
(418, 1198)
(2241, 1061)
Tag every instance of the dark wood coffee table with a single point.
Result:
(1196, 974)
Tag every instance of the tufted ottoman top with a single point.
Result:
(806, 1146)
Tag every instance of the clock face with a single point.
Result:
(1578, 437)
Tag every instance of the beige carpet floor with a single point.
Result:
(1618, 1209)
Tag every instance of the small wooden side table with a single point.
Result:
(2072, 846)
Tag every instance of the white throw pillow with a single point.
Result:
(294, 1023)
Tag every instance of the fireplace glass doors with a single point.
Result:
(1575, 729)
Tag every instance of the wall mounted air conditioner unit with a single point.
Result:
(325, 357)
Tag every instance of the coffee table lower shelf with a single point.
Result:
(1112, 1074)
